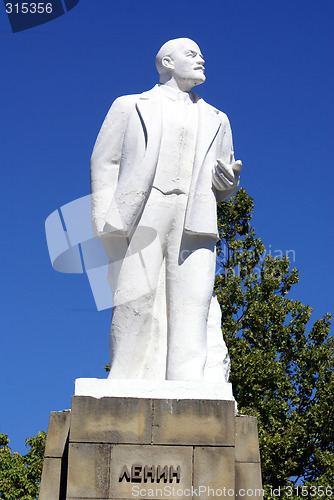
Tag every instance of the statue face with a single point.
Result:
(188, 63)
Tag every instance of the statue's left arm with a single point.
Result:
(226, 171)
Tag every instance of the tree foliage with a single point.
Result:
(282, 372)
(20, 475)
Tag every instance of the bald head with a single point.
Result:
(167, 50)
(180, 62)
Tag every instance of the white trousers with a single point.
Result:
(188, 260)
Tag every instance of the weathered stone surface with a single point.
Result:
(111, 420)
(217, 452)
(50, 483)
(88, 470)
(248, 481)
(59, 425)
(139, 456)
(214, 468)
(246, 440)
(193, 422)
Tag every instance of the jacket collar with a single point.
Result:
(154, 93)
(149, 94)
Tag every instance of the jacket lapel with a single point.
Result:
(208, 126)
(149, 109)
(133, 189)
(200, 213)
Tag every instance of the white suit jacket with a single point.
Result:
(125, 158)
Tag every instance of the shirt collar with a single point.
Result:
(176, 94)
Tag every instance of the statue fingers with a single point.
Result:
(221, 182)
(225, 170)
(237, 167)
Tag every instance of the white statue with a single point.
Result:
(160, 163)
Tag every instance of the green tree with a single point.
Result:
(20, 475)
(281, 372)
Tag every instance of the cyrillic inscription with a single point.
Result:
(155, 474)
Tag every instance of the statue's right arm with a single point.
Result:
(106, 158)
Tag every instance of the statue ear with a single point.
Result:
(167, 62)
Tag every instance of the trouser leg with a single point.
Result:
(190, 279)
(135, 282)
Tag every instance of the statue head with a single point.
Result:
(180, 63)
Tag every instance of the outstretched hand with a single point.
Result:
(226, 176)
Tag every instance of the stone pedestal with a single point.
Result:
(126, 448)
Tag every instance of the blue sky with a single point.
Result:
(269, 66)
